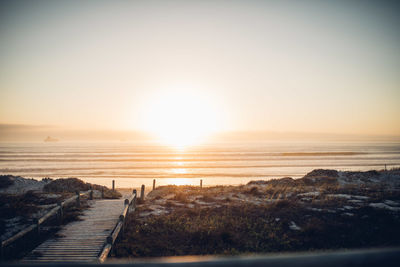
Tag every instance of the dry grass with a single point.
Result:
(267, 216)
(248, 228)
(5, 181)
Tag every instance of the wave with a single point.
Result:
(187, 168)
(190, 160)
(158, 162)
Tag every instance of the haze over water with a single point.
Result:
(178, 73)
(133, 164)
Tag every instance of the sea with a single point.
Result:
(134, 164)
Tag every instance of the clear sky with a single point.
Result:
(285, 66)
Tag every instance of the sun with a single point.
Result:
(181, 117)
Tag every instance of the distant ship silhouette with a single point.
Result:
(50, 139)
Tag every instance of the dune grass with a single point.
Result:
(316, 212)
(71, 185)
(249, 228)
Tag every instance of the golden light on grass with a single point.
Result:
(181, 117)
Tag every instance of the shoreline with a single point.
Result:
(239, 179)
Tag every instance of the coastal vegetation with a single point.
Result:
(325, 209)
(71, 185)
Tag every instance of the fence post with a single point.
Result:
(201, 183)
(78, 199)
(60, 212)
(154, 184)
(91, 194)
(1, 251)
(113, 185)
(142, 192)
(134, 198)
(36, 220)
(102, 192)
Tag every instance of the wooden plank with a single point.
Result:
(74, 257)
(70, 253)
(75, 245)
(65, 258)
(65, 250)
(62, 256)
(78, 243)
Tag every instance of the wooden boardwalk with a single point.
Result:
(81, 241)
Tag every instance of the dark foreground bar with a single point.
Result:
(371, 257)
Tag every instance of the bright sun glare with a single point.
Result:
(181, 117)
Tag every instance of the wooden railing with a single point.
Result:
(56, 211)
(130, 206)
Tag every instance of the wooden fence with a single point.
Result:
(130, 206)
(56, 211)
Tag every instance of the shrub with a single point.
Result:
(70, 185)
(181, 197)
(5, 181)
(18, 205)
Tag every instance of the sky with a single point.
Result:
(276, 66)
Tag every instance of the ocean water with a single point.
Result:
(131, 165)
